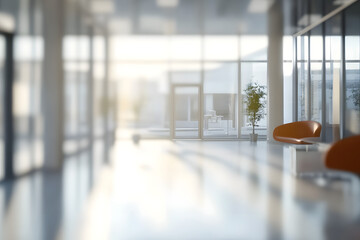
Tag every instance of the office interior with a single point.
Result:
(126, 119)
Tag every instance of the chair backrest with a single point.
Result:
(344, 155)
(301, 129)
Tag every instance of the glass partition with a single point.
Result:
(186, 111)
(253, 47)
(302, 71)
(288, 46)
(185, 73)
(146, 66)
(221, 48)
(143, 98)
(220, 100)
(332, 79)
(99, 100)
(76, 57)
(27, 88)
(72, 71)
(185, 48)
(340, 106)
(316, 58)
(352, 66)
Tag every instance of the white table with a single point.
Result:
(308, 159)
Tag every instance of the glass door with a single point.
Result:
(186, 111)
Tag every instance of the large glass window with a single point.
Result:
(83, 77)
(332, 79)
(185, 48)
(221, 48)
(220, 100)
(352, 66)
(302, 71)
(186, 111)
(288, 78)
(143, 98)
(149, 48)
(99, 99)
(76, 55)
(71, 72)
(156, 63)
(71, 69)
(340, 106)
(253, 68)
(27, 111)
(112, 111)
(185, 73)
(253, 48)
(316, 56)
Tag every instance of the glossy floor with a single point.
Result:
(181, 190)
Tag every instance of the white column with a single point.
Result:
(53, 83)
(275, 68)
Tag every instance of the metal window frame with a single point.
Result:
(8, 106)
(323, 83)
(306, 31)
(308, 82)
(202, 62)
(342, 79)
(239, 62)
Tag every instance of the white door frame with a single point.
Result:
(172, 112)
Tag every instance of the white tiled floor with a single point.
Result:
(182, 190)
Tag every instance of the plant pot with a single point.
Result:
(253, 137)
(136, 138)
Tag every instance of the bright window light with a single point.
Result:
(253, 47)
(221, 48)
(185, 48)
(146, 48)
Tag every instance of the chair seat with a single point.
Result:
(302, 132)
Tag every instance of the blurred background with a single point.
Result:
(81, 79)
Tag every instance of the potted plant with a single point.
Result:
(255, 106)
(138, 107)
(356, 97)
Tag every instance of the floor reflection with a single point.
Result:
(46, 205)
(182, 190)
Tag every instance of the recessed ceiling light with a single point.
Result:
(167, 3)
(7, 22)
(102, 6)
(340, 2)
(308, 19)
(260, 6)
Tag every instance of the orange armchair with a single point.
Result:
(296, 132)
(345, 155)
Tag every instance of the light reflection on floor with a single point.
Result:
(161, 189)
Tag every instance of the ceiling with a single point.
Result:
(186, 17)
(211, 17)
(189, 17)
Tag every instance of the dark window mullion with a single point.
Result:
(8, 107)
